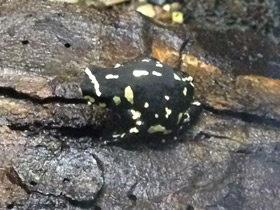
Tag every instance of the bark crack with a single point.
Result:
(8, 92)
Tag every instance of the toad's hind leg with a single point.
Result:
(128, 127)
(189, 117)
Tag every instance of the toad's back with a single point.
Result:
(151, 97)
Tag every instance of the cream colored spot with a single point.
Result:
(146, 105)
(133, 130)
(168, 112)
(176, 77)
(189, 78)
(185, 91)
(103, 105)
(94, 81)
(187, 119)
(139, 122)
(191, 84)
(116, 135)
(156, 73)
(158, 129)
(166, 7)
(167, 98)
(180, 117)
(156, 116)
(117, 100)
(128, 94)
(135, 114)
(146, 60)
(123, 135)
(147, 10)
(158, 64)
(140, 73)
(117, 65)
(196, 103)
(111, 76)
(66, 1)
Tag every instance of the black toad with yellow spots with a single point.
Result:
(152, 100)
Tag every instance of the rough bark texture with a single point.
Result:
(50, 156)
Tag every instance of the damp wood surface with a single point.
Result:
(50, 153)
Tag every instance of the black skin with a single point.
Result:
(148, 88)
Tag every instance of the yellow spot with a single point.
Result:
(128, 94)
(158, 129)
(146, 105)
(117, 100)
(133, 130)
(177, 17)
(90, 99)
(103, 105)
(135, 114)
(180, 117)
(168, 112)
(185, 91)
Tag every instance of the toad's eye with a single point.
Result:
(153, 100)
